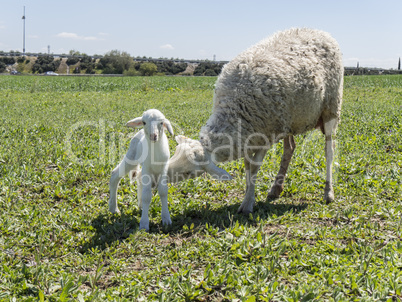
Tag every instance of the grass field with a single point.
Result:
(60, 138)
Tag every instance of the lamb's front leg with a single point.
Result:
(163, 193)
(146, 197)
(252, 166)
(118, 173)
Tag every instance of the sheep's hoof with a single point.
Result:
(274, 193)
(271, 198)
(246, 213)
(246, 208)
(329, 196)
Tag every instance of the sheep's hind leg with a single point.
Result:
(329, 128)
(117, 174)
(289, 146)
(252, 166)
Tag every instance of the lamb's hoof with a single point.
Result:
(144, 227)
(166, 221)
(144, 223)
(114, 210)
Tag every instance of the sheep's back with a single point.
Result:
(283, 84)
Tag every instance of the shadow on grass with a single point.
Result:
(109, 229)
(114, 228)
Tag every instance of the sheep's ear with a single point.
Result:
(168, 126)
(217, 173)
(180, 139)
(135, 123)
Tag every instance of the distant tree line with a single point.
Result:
(113, 62)
(120, 62)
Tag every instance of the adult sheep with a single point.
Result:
(285, 85)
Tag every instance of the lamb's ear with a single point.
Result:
(135, 123)
(168, 126)
(180, 139)
(216, 172)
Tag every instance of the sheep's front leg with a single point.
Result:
(289, 146)
(252, 166)
(118, 173)
(146, 197)
(163, 193)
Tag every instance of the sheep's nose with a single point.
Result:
(154, 137)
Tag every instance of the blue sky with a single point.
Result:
(369, 32)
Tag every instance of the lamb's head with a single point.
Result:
(192, 159)
(154, 122)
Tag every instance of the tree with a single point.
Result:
(74, 53)
(210, 73)
(45, 63)
(20, 59)
(87, 64)
(72, 61)
(208, 69)
(115, 62)
(2, 67)
(7, 60)
(148, 69)
(399, 64)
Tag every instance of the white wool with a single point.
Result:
(149, 149)
(280, 86)
(285, 85)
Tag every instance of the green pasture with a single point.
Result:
(60, 138)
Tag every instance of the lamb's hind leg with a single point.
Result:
(329, 128)
(252, 166)
(289, 146)
(118, 173)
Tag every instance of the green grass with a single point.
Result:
(60, 138)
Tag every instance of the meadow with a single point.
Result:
(60, 138)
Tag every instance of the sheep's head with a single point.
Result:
(192, 159)
(154, 122)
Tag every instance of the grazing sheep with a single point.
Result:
(285, 85)
(150, 149)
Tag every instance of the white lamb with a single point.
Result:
(283, 86)
(150, 149)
